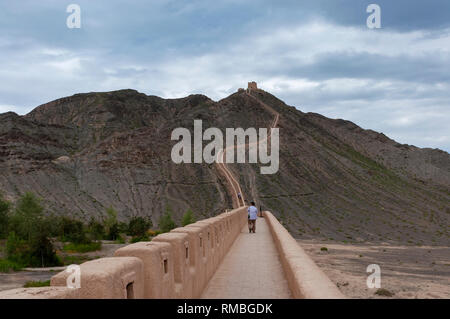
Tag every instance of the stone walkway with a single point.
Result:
(251, 269)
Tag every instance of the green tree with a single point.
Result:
(166, 223)
(28, 217)
(96, 229)
(188, 218)
(73, 230)
(43, 253)
(123, 227)
(29, 242)
(113, 232)
(4, 216)
(138, 226)
(111, 224)
(16, 248)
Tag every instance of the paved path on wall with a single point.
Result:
(235, 187)
(251, 269)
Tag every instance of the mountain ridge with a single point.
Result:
(89, 151)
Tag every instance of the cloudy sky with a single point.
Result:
(316, 55)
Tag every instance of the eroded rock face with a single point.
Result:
(90, 151)
(62, 160)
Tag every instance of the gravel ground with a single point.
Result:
(407, 271)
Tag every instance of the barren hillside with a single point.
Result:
(87, 152)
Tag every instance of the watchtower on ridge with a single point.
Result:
(252, 86)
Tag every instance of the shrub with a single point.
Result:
(153, 233)
(188, 218)
(384, 292)
(30, 284)
(76, 259)
(8, 265)
(138, 226)
(53, 224)
(166, 222)
(96, 230)
(82, 247)
(113, 233)
(324, 249)
(140, 238)
(123, 227)
(120, 240)
(15, 247)
(73, 230)
(4, 217)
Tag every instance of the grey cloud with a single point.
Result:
(172, 48)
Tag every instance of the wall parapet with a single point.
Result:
(190, 257)
(306, 280)
(177, 264)
(180, 263)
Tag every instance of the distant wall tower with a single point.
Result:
(252, 86)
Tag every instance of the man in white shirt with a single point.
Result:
(252, 216)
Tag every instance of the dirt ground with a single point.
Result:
(407, 271)
(17, 279)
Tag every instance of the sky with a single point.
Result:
(318, 56)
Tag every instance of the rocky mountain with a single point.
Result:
(336, 181)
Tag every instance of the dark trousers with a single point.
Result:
(252, 225)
